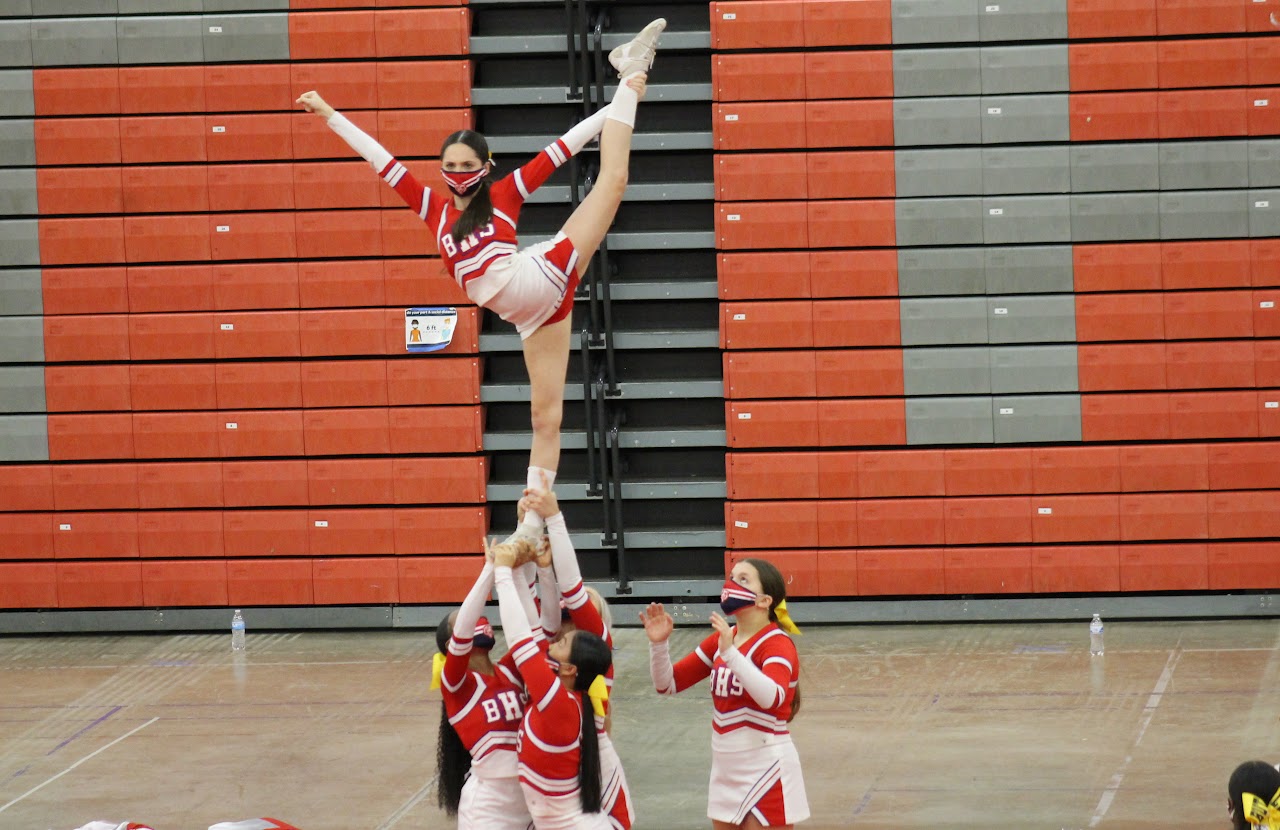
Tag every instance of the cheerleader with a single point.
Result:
(475, 229)
(754, 671)
(1253, 796)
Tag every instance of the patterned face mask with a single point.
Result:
(466, 182)
(483, 636)
(735, 597)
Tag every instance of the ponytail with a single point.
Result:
(592, 657)
(772, 583)
(453, 762)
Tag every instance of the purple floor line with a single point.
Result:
(84, 730)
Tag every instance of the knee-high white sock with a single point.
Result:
(584, 131)
(623, 106)
(539, 478)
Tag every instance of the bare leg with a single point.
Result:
(546, 356)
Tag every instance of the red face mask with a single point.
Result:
(466, 182)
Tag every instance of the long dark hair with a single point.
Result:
(1257, 777)
(772, 583)
(453, 761)
(592, 658)
(480, 211)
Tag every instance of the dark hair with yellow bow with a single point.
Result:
(773, 584)
(1253, 795)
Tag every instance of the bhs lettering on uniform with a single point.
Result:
(468, 242)
(725, 683)
(509, 710)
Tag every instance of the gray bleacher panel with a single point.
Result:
(952, 221)
(1025, 369)
(937, 121)
(1024, 119)
(245, 37)
(953, 171)
(926, 72)
(1113, 168)
(74, 41)
(1264, 162)
(161, 6)
(19, 242)
(15, 42)
(925, 272)
(1026, 170)
(949, 421)
(15, 8)
(1042, 269)
(943, 321)
(173, 39)
(947, 371)
(72, 8)
(246, 5)
(1036, 419)
(17, 142)
(1264, 213)
(21, 291)
(1009, 220)
(23, 389)
(24, 438)
(1048, 318)
(1011, 69)
(22, 339)
(935, 21)
(1023, 20)
(1105, 217)
(18, 191)
(1201, 165)
(1204, 214)
(17, 95)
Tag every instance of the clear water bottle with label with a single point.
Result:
(237, 631)
(1095, 635)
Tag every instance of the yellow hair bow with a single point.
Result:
(784, 619)
(598, 691)
(437, 670)
(1261, 814)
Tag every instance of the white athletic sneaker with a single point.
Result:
(637, 55)
(525, 532)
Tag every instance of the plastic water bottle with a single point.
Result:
(1095, 635)
(237, 631)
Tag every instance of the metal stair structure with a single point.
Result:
(641, 477)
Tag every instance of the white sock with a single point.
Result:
(542, 479)
(584, 131)
(623, 106)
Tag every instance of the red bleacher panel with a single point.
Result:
(1131, 266)
(900, 473)
(406, 281)
(82, 241)
(109, 535)
(1164, 467)
(436, 579)
(261, 433)
(1264, 59)
(1243, 466)
(266, 533)
(173, 484)
(26, 487)
(167, 189)
(86, 388)
(1126, 65)
(760, 126)
(436, 381)
(750, 176)
(851, 175)
(763, 275)
(776, 475)
(254, 87)
(418, 132)
(1111, 18)
(986, 472)
(1122, 367)
(83, 436)
(92, 337)
(331, 34)
(771, 524)
(1216, 264)
(440, 480)
(241, 385)
(424, 84)
(1259, 14)
(333, 532)
(1213, 415)
(1094, 518)
(170, 288)
(853, 223)
(436, 429)
(344, 332)
(252, 236)
(343, 184)
(1163, 516)
(354, 481)
(1139, 417)
(848, 74)
(77, 141)
(165, 239)
(26, 535)
(1263, 117)
(79, 190)
(1192, 63)
(837, 573)
(258, 334)
(1243, 565)
(883, 522)
(1005, 570)
(417, 32)
(901, 572)
(28, 585)
(362, 581)
(769, 76)
(438, 530)
(340, 233)
(156, 89)
(1211, 365)
(1269, 413)
(987, 520)
(1164, 567)
(838, 475)
(95, 487)
(165, 138)
(346, 431)
(176, 434)
(184, 583)
(253, 285)
(99, 584)
(1197, 17)
(853, 273)
(269, 582)
(1110, 317)
(742, 225)
(842, 374)
(346, 86)
(344, 383)
(193, 534)
(787, 325)
(841, 23)
(1057, 570)
(1266, 319)
(341, 284)
(86, 290)
(67, 91)
(1204, 112)
(799, 568)
(757, 24)
(1075, 470)
(1113, 116)
(860, 123)
(171, 336)
(769, 375)
(772, 423)
(274, 483)
(857, 323)
(869, 422)
(236, 187)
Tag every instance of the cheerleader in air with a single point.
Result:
(754, 672)
(475, 230)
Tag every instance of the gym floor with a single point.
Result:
(995, 726)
